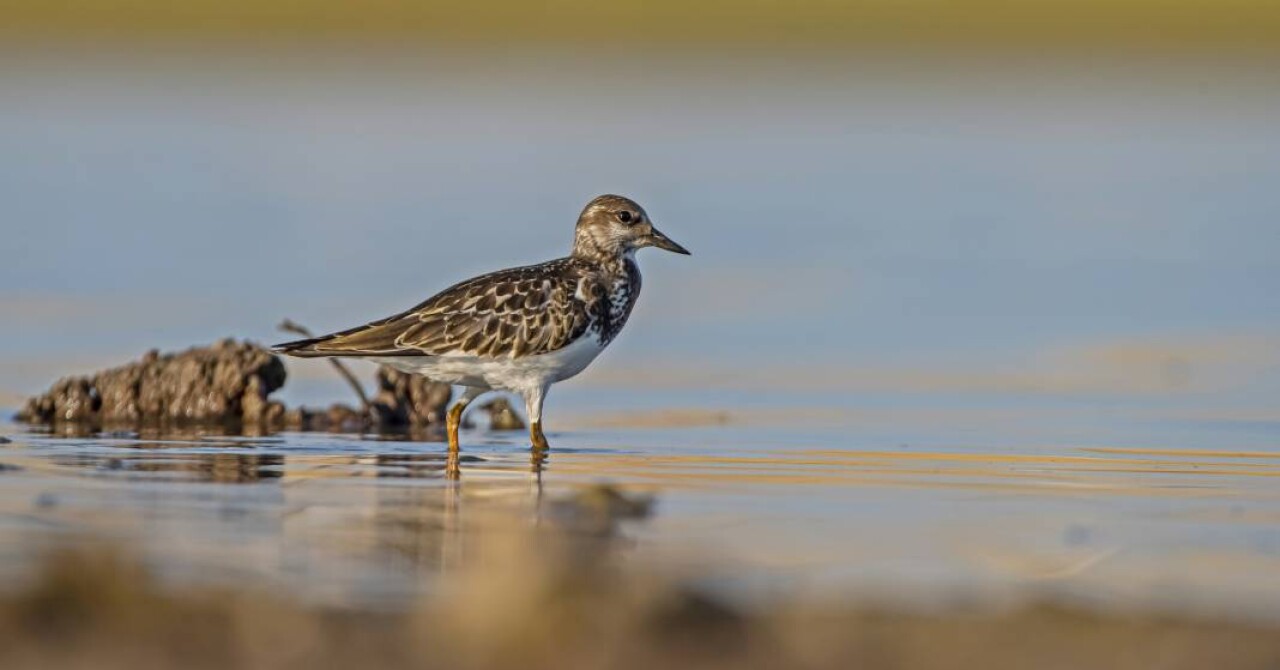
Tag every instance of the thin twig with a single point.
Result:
(290, 326)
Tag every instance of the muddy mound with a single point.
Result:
(226, 382)
(229, 384)
(406, 400)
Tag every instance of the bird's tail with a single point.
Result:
(303, 348)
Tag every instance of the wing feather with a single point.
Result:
(517, 312)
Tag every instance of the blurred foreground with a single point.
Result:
(550, 599)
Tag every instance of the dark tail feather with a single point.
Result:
(302, 348)
(313, 347)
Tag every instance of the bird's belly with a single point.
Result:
(511, 374)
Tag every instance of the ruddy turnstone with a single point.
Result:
(518, 330)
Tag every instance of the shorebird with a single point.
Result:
(519, 330)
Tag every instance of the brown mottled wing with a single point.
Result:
(517, 312)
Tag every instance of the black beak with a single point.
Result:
(657, 239)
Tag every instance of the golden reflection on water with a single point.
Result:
(1182, 473)
(340, 520)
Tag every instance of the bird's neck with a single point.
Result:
(612, 261)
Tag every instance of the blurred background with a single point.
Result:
(1035, 199)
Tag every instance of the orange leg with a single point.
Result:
(453, 421)
(535, 435)
(533, 407)
(537, 455)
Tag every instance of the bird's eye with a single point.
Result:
(625, 216)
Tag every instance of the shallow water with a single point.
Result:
(790, 503)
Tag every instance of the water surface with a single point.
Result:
(806, 504)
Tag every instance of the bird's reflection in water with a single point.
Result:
(447, 528)
(435, 528)
(411, 466)
(538, 461)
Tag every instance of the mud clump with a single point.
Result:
(502, 416)
(337, 418)
(408, 401)
(229, 384)
(404, 403)
(229, 381)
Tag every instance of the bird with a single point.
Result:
(518, 330)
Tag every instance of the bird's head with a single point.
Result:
(612, 226)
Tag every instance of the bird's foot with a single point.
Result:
(535, 434)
